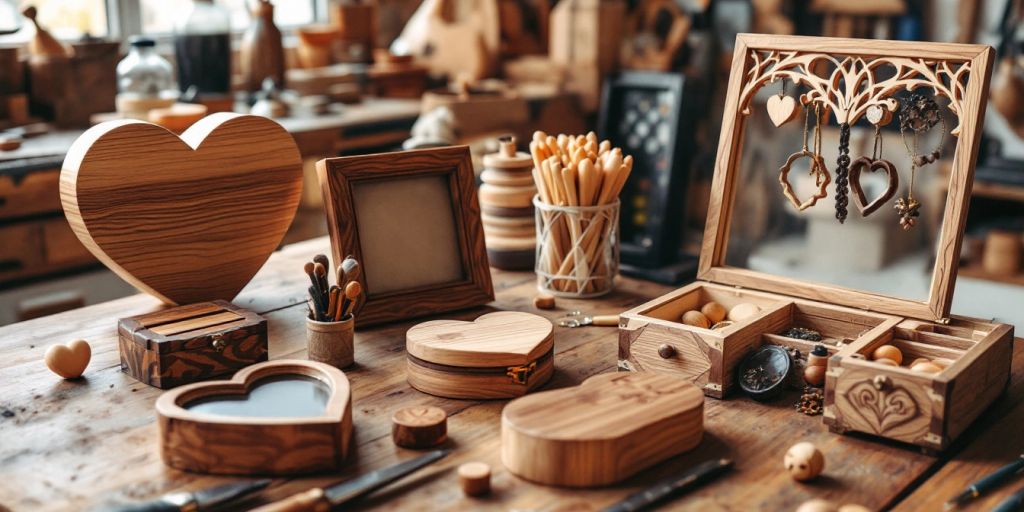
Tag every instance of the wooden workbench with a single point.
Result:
(71, 445)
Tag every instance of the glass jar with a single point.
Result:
(143, 73)
(202, 46)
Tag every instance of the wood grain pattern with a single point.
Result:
(186, 344)
(504, 338)
(603, 431)
(217, 444)
(337, 178)
(186, 219)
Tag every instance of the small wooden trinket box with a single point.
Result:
(191, 343)
(888, 400)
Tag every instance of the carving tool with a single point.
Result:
(329, 497)
(199, 501)
(673, 486)
(321, 275)
(1013, 503)
(322, 259)
(333, 298)
(988, 483)
(309, 269)
(578, 319)
(318, 306)
(352, 292)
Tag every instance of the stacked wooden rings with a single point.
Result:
(506, 197)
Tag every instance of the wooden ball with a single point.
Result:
(544, 301)
(888, 352)
(419, 426)
(743, 311)
(804, 461)
(887, 362)
(942, 363)
(817, 505)
(926, 367)
(696, 319)
(475, 478)
(69, 361)
(915, 362)
(714, 311)
(814, 375)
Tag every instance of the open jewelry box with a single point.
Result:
(847, 79)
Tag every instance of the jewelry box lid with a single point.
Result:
(184, 327)
(849, 77)
(504, 338)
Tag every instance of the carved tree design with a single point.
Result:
(851, 88)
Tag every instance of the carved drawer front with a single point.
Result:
(673, 351)
(878, 403)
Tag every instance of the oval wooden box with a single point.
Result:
(190, 343)
(500, 355)
(241, 445)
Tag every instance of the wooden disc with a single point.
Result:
(507, 179)
(499, 211)
(521, 160)
(507, 197)
(497, 220)
(504, 243)
(419, 427)
(475, 478)
(510, 231)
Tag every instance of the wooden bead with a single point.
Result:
(714, 311)
(475, 478)
(743, 311)
(919, 360)
(887, 362)
(942, 363)
(815, 375)
(666, 351)
(888, 352)
(804, 461)
(926, 367)
(544, 301)
(69, 361)
(696, 319)
(817, 505)
(419, 427)
(9, 143)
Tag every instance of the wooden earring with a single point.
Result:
(781, 108)
(817, 165)
(873, 164)
(918, 115)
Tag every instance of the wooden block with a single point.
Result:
(603, 431)
(158, 229)
(475, 478)
(419, 427)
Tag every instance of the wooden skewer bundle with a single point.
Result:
(577, 172)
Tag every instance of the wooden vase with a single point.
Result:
(262, 52)
(331, 342)
(1002, 253)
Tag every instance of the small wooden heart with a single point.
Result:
(187, 219)
(856, 170)
(603, 431)
(69, 361)
(821, 177)
(878, 115)
(782, 109)
(273, 418)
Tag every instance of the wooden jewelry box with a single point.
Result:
(191, 343)
(925, 409)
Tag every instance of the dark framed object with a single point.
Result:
(412, 220)
(644, 113)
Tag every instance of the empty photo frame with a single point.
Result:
(412, 220)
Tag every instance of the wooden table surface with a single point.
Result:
(72, 445)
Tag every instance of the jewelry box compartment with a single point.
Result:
(925, 408)
(652, 336)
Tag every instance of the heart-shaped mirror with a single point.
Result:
(285, 396)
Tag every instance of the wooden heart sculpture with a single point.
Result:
(69, 361)
(500, 355)
(186, 219)
(821, 179)
(274, 418)
(871, 165)
(603, 431)
(781, 109)
(883, 409)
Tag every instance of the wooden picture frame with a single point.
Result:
(666, 169)
(206, 442)
(405, 273)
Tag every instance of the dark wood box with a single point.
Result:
(191, 343)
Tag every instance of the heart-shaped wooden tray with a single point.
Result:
(186, 219)
(274, 418)
(603, 431)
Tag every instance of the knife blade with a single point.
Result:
(195, 501)
(337, 494)
(673, 485)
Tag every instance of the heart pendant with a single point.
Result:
(782, 109)
(878, 115)
(865, 163)
(818, 169)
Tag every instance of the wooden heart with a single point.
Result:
(878, 115)
(821, 177)
(603, 431)
(883, 410)
(274, 418)
(871, 165)
(69, 361)
(782, 109)
(186, 219)
(495, 339)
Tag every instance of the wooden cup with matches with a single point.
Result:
(578, 184)
(330, 322)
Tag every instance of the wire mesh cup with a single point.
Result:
(577, 249)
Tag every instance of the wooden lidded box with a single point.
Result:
(190, 343)
(855, 81)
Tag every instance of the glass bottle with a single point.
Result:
(144, 74)
(202, 46)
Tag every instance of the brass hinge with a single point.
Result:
(944, 321)
(521, 374)
(217, 342)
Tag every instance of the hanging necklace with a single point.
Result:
(817, 165)
(872, 164)
(918, 115)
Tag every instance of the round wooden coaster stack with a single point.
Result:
(506, 203)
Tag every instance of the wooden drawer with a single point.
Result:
(39, 247)
(34, 194)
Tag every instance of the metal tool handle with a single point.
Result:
(999, 476)
(313, 500)
(605, 320)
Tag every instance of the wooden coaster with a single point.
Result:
(419, 427)
(507, 197)
(507, 179)
(475, 478)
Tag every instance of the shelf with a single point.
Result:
(976, 272)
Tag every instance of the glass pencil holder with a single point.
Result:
(577, 249)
